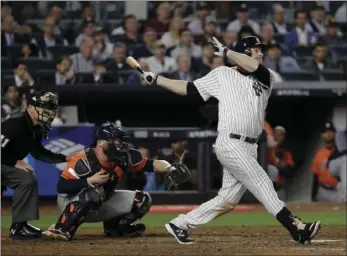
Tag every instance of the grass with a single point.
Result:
(234, 219)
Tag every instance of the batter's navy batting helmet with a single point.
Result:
(245, 45)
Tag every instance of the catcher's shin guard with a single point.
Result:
(76, 212)
(121, 224)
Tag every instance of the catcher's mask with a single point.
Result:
(116, 138)
(46, 107)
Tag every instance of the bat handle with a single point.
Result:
(140, 70)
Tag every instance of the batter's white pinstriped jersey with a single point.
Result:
(242, 100)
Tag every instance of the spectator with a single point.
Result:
(278, 63)
(317, 20)
(210, 30)
(172, 37)
(8, 35)
(332, 36)
(60, 119)
(186, 46)
(130, 36)
(280, 160)
(146, 50)
(6, 10)
(88, 31)
(144, 151)
(162, 21)
(56, 13)
(184, 69)
(82, 62)
(22, 77)
(117, 63)
(64, 74)
(88, 13)
(135, 78)
(205, 63)
(230, 39)
(341, 14)
(320, 59)
(244, 32)
(279, 22)
(217, 62)
(325, 183)
(29, 50)
(12, 103)
(242, 20)
(271, 142)
(159, 63)
(301, 35)
(196, 26)
(99, 75)
(48, 39)
(102, 48)
(266, 33)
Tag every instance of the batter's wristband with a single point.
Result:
(225, 51)
(155, 80)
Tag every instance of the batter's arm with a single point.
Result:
(176, 86)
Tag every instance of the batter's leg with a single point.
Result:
(228, 197)
(243, 164)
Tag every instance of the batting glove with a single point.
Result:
(221, 48)
(149, 77)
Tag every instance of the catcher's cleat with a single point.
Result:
(307, 231)
(55, 234)
(130, 230)
(181, 235)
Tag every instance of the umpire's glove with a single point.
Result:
(149, 77)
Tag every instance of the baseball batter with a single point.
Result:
(243, 92)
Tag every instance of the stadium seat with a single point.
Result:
(302, 60)
(300, 76)
(279, 38)
(14, 51)
(60, 50)
(37, 63)
(340, 51)
(6, 71)
(124, 75)
(5, 63)
(303, 51)
(333, 75)
(45, 76)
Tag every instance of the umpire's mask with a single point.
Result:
(46, 106)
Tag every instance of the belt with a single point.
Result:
(244, 138)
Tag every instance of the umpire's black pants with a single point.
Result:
(25, 198)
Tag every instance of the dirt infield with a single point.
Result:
(209, 241)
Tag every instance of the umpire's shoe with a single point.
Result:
(129, 230)
(181, 235)
(24, 231)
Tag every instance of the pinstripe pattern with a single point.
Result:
(241, 111)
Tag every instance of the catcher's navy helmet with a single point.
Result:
(109, 131)
(245, 45)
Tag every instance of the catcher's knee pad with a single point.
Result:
(75, 212)
(142, 204)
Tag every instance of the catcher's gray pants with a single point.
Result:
(119, 203)
(25, 204)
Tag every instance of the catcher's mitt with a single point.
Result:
(177, 174)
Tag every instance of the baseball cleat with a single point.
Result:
(24, 231)
(181, 235)
(308, 232)
(55, 234)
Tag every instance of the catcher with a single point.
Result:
(86, 189)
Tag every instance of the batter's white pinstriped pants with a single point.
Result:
(241, 171)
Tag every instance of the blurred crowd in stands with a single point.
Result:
(66, 43)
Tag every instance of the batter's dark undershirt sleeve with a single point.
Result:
(65, 186)
(148, 166)
(263, 75)
(194, 94)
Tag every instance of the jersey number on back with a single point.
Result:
(4, 141)
(257, 88)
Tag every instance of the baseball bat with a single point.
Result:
(135, 65)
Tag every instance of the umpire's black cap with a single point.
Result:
(328, 126)
(245, 45)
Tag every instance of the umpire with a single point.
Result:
(20, 135)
